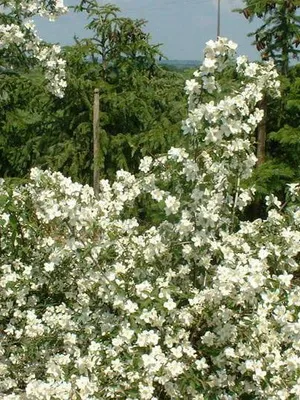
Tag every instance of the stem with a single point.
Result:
(235, 200)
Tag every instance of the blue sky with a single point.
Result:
(182, 26)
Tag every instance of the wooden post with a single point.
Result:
(219, 19)
(96, 138)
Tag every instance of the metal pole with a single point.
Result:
(219, 18)
(96, 137)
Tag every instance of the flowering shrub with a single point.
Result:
(99, 304)
(20, 30)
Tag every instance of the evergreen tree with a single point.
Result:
(140, 103)
(117, 42)
(279, 35)
(277, 38)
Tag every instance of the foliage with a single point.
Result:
(23, 105)
(20, 45)
(139, 103)
(279, 35)
(278, 38)
(96, 305)
(120, 43)
(283, 139)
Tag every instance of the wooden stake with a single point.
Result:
(219, 19)
(96, 138)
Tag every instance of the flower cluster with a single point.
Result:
(97, 303)
(24, 35)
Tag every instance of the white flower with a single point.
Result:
(192, 86)
(241, 61)
(49, 267)
(146, 164)
(208, 65)
(147, 338)
(157, 194)
(229, 352)
(209, 83)
(231, 45)
(177, 154)
(285, 279)
(201, 364)
(263, 253)
(146, 392)
(130, 307)
(172, 205)
(143, 289)
(175, 368)
(170, 304)
(251, 69)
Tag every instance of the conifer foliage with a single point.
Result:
(139, 102)
(279, 35)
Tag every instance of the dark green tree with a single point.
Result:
(277, 38)
(282, 145)
(279, 35)
(141, 108)
(117, 42)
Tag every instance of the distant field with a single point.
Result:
(180, 64)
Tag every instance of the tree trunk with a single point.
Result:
(256, 207)
(286, 40)
(262, 134)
